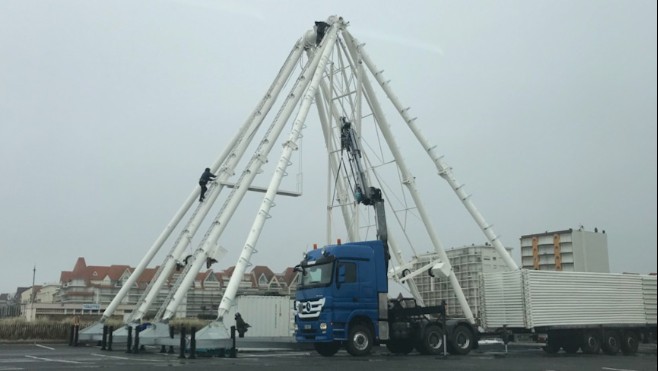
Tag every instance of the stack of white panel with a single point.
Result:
(501, 300)
(582, 298)
(531, 299)
(649, 295)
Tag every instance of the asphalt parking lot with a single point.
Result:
(490, 357)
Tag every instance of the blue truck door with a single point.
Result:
(346, 294)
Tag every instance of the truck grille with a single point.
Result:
(309, 309)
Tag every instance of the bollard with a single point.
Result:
(109, 339)
(506, 337)
(171, 335)
(136, 346)
(75, 336)
(445, 329)
(71, 332)
(232, 353)
(182, 342)
(104, 341)
(129, 340)
(193, 343)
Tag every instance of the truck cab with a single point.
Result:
(343, 295)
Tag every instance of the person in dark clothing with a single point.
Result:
(241, 325)
(320, 30)
(203, 181)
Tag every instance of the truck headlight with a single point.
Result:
(323, 326)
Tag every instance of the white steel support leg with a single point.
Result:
(444, 170)
(284, 162)
(409, 181)
(239, 191)
(164, 235)
(225, 172)
(260, 110)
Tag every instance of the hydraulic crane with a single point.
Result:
(363, 192)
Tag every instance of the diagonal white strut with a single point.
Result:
(444, 170)
(410, 183)
(253, 123)
(268, 200)
(239, 191)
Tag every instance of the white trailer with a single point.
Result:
(575, 310)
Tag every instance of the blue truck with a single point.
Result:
(342, 299)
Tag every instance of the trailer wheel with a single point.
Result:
(629, 343)
(431, 341)
(399, 346)
(461, 342)
(591, 342)
(360, 341)
(327, 349)
(611, 343)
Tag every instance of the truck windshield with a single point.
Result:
(317, 275)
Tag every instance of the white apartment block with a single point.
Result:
(574, 250)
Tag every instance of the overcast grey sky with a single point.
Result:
(110, 110)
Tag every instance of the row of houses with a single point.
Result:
(89, 289)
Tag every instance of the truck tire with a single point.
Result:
(629, 343)
(461, 341)
(591, 342)
(360, 341)
(399, 346)
(611, 343)
(327, 349)
(431, 341)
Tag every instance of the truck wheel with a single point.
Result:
(611, 343)
(591, 342)
(399, 346)
(629, 343)
(360, 341)
(327, 349)
(431, 341)
(461, 342)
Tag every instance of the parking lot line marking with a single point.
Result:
(251, 355)
(53, 360)
(616, 369)
(124, 358)
(106, 356)
(43, 346)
